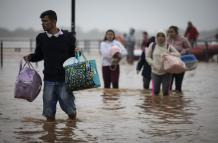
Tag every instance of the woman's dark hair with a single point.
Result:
(110, 30)
(175, 28)
(145, 33)
(50, 13)
(151, 40)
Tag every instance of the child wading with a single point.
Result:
(111, 52)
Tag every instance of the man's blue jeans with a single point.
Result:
(54, 92)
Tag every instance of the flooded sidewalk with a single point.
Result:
(125, 115)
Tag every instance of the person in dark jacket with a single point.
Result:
(54, 46)
(142, 63)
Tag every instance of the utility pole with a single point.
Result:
(1, 52)
(73, 23)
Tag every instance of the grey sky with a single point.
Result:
(150, 15)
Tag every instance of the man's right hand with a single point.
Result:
(27, 57)
(77, 49)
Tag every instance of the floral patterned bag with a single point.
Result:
(82, 75)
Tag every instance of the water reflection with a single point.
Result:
(50, 135)
(111, 99)
(111, 115)
(57, 131)
(37, 130)
(124, 115)
(170, 115)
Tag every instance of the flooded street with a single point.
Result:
(127, 115)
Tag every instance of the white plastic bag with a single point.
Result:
(70, 61)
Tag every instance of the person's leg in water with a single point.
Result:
(156, 83)
(66, 100)
(49, 100)
(106, 76)
(146, 82)
(146, 73)
(115, 77)
(166, 80)
(172, 81)
(178, 81)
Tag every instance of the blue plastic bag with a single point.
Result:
(190, 61)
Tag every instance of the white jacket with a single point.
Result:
(105, 51)
(154, 57)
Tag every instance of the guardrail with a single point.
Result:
(28, 45)
(24, 46)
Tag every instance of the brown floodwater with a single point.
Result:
(128, 114)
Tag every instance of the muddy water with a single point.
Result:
(129, 114)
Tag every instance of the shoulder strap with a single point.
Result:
(168, 47)
(152, 49)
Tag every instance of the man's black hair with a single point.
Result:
(50, 13)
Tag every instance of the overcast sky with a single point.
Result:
(150, 15)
